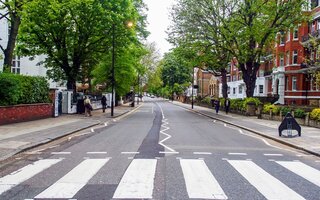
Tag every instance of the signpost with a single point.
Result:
(289, 124)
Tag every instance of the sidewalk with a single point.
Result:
(309, 140)
(18, 137)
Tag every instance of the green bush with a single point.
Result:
(206, 100)
(299, 113)
(315, 114)
(236, 104)
(20, 89)
(285, 110)
(267, 107)
(251, 100)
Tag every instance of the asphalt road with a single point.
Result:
(162, 151)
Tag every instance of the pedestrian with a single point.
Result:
(87, 107)
(212, 101)
(227, 105)
(104, 103)
(217, 105)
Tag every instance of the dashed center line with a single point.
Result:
(270, 154)
(97, 152)
(202, 153)
(128, 152)
(60, 153)
(238, 154)
(168, 152)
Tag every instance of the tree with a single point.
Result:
(11, 12)
(243, 28)
(175, 72)
(72, 32)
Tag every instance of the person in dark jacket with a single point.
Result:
(217, 105)
(104, 103)
(227, 105)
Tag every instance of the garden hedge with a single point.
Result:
(20, 89)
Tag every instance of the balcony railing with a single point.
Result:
(315, 34)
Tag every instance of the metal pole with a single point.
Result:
(112, 70)
(138, 88)
(192, 87)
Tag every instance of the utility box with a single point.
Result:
(109, 97)
(68, 106)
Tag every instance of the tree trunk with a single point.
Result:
(224, 83)
(13, 32)
(71, 84)
(249, 71)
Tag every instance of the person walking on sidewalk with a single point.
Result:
(104, 103)
(87, 107)
(227, 105)
(217, 105)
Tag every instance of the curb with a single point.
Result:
(254, 131)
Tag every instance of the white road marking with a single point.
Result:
(202, 153)
(200, 182)
(138, 180)
(106, 124)
(60, 153)
(303, 155)
(23, 174)
(273, 154)
(238, 154)
(72, 182)
(266, 184)
(164, 125)
(318, 161)
(303, 170)
(97, 152)
(92, 130)
(168, 152)
(130, 152)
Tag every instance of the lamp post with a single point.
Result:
(192, 87)
(129, 24)
(112, 70)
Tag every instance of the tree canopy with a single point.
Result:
(73, 33)
(240, 29)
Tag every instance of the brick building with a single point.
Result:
(292, 78)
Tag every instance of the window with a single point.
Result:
(281, 60)
(234, 90)
(288, 36)
(282, 39)
(295, 57)
(288, 58)
(294, 83)
(240, 89)
(16, 65)
(287, 83)
(295, 34)
(228, 90)
(260, 89)
(314, 4)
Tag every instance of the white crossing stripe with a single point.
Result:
(23, 174)
(200, 182)
(137, 182)
(71, 183)
(303, 170)
(265, 183)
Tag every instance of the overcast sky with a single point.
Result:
(158, 18)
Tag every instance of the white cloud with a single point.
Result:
(158, 19)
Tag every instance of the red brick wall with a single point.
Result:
(20, 113)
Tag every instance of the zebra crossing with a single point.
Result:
(138, 180)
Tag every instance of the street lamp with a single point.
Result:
(129, 24)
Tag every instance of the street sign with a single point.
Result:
(289, 124)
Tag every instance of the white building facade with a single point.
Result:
(21, 65)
